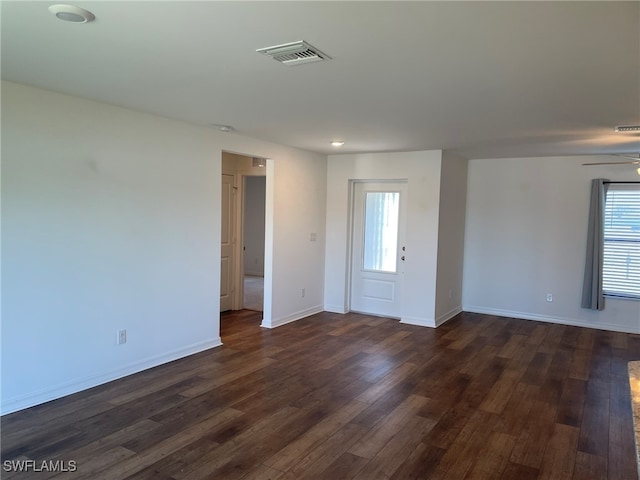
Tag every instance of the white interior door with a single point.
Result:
(377, 251)
(227, 254)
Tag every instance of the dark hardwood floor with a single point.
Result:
(354, 397)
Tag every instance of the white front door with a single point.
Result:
(377, 250)
(227, 254)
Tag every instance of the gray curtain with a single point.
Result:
(592, 296)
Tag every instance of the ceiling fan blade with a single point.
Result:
(637, 162)
(631, 157)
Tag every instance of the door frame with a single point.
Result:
(234, 246)
(238, 285)
(351, 199)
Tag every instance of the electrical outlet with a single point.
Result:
(122, 337)
(303, 293)
(313, 236)
(549, 297)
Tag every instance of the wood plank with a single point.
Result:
(560, 455)
(389, 426)
(175, 463)
(515, 415)
(237, 454)
(465, 449)
(325, 454)
(346, 465)
(389, 382)
(571, 402)
(391, 457)
(514, 471)
(591, 466)
(288, 456)
(535, 435)
(620, 455)
(89, 467)
(594, 429)
(501, 392)
(420, 464)
(163, 448)
(262, 472)
(579, 368)
(493, 457)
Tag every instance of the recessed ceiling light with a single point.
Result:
(225, 128)
(69, 13)
(337, 143)
(627, 128)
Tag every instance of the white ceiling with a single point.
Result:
(487, 79)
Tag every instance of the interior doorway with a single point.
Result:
(243, 225)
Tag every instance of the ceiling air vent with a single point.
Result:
(294, 53)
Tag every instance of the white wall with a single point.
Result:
(254, 209)
(422, 170)
(299, 199)
(453, 196)
(111, 220)
(526, 237)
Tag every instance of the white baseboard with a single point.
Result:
(420, 321)
(67, 388)
(336, 308)
(548, 319)
(445, 317)
(278, 322)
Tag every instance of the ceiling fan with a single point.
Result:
(632, 160)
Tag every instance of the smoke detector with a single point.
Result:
(294, 53)
(71, 13)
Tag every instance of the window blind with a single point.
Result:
(621, 262)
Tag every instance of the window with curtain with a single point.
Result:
(621, 262)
